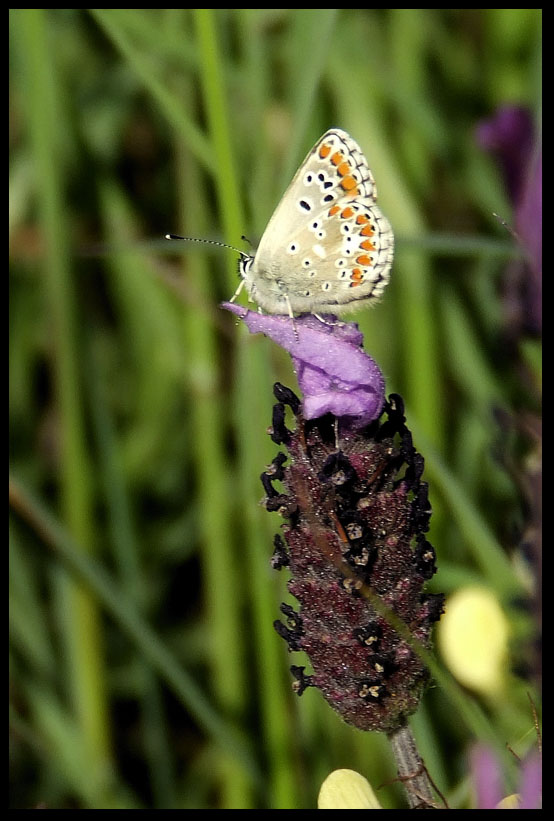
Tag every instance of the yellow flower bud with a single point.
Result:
(473, 639)
(347, 790)
(511, 802)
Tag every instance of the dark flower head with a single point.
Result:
(355, 516)
(334, 373)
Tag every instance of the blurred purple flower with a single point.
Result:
(334, 373)
(510, 136)
(487, 778)
(530, 785)
(529, 229)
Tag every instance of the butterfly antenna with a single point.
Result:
(507, 226)
(208, 242)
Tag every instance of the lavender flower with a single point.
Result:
(356, 511)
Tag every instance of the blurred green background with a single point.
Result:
(144, 668)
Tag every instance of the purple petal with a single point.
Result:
(487, 777)
(334, 374)
(530, 788)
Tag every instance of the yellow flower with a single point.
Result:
(511, 802)
(346, 790)
(473, 639)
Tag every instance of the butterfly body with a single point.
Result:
(327, 248)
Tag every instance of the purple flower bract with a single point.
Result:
(334, 374)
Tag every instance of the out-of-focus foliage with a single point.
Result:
(144, 668)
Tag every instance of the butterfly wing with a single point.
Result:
(327, 247)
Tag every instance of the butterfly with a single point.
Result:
(328, 248)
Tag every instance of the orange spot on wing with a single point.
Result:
(348, 183)
(324, 150)
(337, 158)
(356, 277)
(347, 212)
(367, 245)
(361, 219)
(343, 169)
(334, 209)
(367, 231)
(363, 259)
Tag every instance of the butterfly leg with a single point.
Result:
(337, 440)
(289, 307)
(325, 321)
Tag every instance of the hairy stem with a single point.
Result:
(411, 769)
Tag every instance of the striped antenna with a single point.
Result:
(507, 226)
(243, 254)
